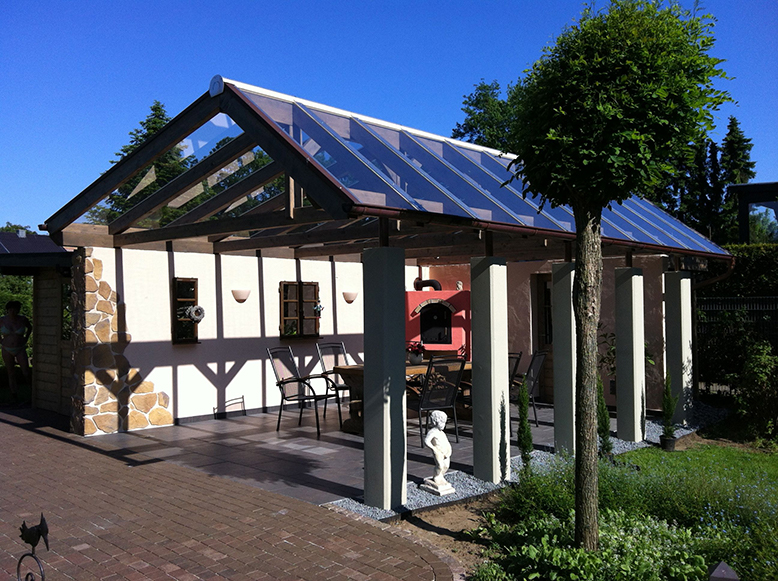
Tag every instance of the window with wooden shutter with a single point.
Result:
(300, 309)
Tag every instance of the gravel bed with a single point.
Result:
(468, 486)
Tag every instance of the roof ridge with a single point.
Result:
(217, 85)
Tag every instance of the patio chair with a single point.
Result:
(532, 379)
(331, 355)
(294, 387)
(439, 390)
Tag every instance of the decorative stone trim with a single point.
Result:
(113, 395)
(443, 302)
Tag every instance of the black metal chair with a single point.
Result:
(532, 379)
(330, 356)
(514, 377)
(439, 390)
(288, 378)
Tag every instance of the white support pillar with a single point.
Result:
(630, 355)
(678, 339)
(384, 380)
(564, 356)
(491, 410)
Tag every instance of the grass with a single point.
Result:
(662, 516)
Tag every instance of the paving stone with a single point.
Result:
(148, 519)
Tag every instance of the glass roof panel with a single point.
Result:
(387, 165)
(666, 222)
(347, 165)
(661, 236)
(188, 153)
(527, 210)
(478, 199)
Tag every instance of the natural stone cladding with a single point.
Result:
(113, 395)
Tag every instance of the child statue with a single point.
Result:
(437, 441)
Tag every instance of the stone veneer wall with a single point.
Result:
(110, 394)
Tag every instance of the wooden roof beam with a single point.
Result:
(244, 187)
(318, 184)
(317, 236)
(224, 226)
(170, 135)
(180, 184)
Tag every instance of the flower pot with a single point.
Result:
(667, 443)
(415, 358)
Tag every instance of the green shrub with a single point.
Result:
(603, 420)
(669, 403)
(724, 498)
(631, 548)
(524, 434)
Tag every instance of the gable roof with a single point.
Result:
(367, 182)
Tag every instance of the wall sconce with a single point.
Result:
(241, 295)
(350, 296)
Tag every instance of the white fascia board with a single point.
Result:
(365, 118)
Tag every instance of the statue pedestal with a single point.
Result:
(437, 488)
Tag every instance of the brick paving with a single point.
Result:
(112, 519)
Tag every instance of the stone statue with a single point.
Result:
(437, 441)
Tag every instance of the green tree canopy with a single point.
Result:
(487, 117)
(595, 120)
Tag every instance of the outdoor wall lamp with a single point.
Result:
(350, 296)
(241, 295)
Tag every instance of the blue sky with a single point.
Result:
(77, 76)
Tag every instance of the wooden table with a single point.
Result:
(354, 377)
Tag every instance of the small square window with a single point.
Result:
(300, 309)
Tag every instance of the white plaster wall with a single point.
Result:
(230, 359)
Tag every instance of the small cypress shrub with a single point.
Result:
(668, 408)
(524, 430)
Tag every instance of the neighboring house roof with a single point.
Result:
(361, 175)
(27, 253)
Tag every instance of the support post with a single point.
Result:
(564, 356)
(678, 339)
(630, 355)
(384, 380)
(491, 409)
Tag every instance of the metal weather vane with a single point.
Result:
(32, 536)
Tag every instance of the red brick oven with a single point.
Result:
(439, 319)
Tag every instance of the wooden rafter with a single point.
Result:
(224, 226)
(250, 183)
(317, 183)
(170, 135)
(180, 184)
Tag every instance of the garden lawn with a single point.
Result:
(662, 516)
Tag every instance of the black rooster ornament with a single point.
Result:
(32, 535)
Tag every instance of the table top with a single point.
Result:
(419, 369)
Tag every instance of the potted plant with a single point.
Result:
(415, 350)
(669, 403)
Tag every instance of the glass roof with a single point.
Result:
(386, 165)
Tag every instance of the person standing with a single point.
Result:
(15, 329)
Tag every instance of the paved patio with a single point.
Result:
(292, 461)
(218, 499)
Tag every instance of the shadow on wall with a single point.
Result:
(114, 369)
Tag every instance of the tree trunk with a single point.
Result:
(587, 291)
